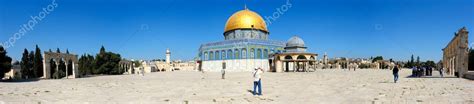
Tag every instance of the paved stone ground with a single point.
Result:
(322, 86)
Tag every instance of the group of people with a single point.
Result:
(419, 71)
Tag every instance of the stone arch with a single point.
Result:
(265, 53)
(216, 55)
(229, 54)
(211, 55)
(127, 66)
(206, 56)
(69, 67)
(49, 57)
(53, 67)
(252, 53)
(244, 53)
(236, 54)
(259, 53)
(223, 55)
(301, 57)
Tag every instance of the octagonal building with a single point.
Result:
(246, 45)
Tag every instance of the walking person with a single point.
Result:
(441, 72)
(257, 82)
(395, 74)
(223, 70)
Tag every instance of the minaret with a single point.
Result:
(325, 58)
(168, 55)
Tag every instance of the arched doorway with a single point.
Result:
(287, 63)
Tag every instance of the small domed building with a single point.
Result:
(294, 58)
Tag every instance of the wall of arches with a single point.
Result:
(237, 53)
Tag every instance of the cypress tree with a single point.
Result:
(24, 65)
(38, 62)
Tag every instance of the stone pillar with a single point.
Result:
(57, 66)
(278, 66)
(46, 69)
(74, 69)
(66, 63)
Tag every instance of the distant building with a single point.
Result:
(167, 64)
(14, 73)
(456, 54)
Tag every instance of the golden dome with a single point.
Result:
(245, 19)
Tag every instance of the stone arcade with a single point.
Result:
(69, 59)
(456, 54)
(128, 66)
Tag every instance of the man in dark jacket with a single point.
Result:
(395, 73)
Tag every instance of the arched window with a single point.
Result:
(244, 53)
(252, 53)
(229, 54)
(236, 54)
(206, 56)
(223, 55)
(259, 53)
(211, 55)
(265, 53)
(217, 55)
(301, 57)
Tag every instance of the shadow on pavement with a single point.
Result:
(19, 80)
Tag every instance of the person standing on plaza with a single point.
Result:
(395, 73)
(223, 70)
(441, 72)
(257, 82)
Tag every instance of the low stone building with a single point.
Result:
(456, 54)
(14, 73)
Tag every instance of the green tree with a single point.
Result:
(430, 64)
(86, 64)
(377, 58)
(53, 66)
(57, 50)
(61, 72)
(5, 62)
(418, 61)
(107, 63)
(137, 63)
(31, 57)
(25, 65)
(38, 62)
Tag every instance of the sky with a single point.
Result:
(144, 29)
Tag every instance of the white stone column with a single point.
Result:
(74, 70)
(66, 63)
(278, 66)
(57, 67)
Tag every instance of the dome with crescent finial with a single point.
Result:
(245, 19)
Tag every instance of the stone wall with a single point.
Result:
(236, 65)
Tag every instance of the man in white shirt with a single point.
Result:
(257, 82)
